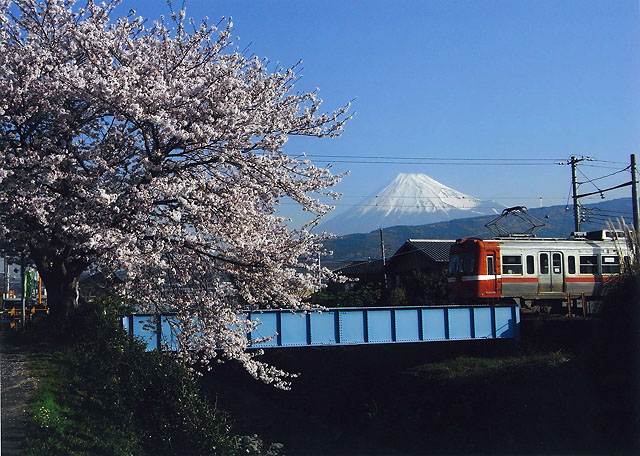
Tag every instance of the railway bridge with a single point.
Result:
(351, 326)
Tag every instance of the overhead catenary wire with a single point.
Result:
(391, 157)
(351, 158)
(449, 197)
(460, 163)
(590, 181)
(605, 176)
(601, 167)
(610, 212)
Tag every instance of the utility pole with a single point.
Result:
(5, 285)
(573, 161)
(384, 257)
(634, 197)
(24, 298)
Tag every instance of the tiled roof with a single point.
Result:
(437, 250)
(361, 267)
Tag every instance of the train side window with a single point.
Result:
(512, 264)
(610, 264)
(531, 269)
(544, 263)
(572, 264)
(588, 264)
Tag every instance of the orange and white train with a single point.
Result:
(534, 271)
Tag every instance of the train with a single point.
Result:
(530, 271)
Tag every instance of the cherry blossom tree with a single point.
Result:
(157, 149)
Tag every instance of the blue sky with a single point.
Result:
(464, 80)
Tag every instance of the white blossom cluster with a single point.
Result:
(156, 148)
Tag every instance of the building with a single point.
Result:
(418, 255)
(368, 272)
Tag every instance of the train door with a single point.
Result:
(492, 278)
(551, 273)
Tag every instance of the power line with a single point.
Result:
(609, 161)
(385, 205)
(589, 181)
(437, 197)
(601, 167)
(608, 211)
(461, 163)
(389, 157)
(605, 176)
(386, 159)
(605, 219)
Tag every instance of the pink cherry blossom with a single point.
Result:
(155, 148)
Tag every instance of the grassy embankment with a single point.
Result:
(570, 387)
(101, 394)
(438, 400)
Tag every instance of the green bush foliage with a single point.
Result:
(103, 394)
(367, 295)
(398, 297)
(621, 318)
(426, 288)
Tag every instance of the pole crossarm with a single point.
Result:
(605, 189)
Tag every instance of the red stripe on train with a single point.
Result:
(588, 279)
(519, 279)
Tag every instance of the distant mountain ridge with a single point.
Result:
(410, 199)
(558, 223)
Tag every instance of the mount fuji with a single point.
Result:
(410, 199)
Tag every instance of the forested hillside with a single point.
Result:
(557, 219)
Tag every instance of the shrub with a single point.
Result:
(367, 295)
(107, 395)
(621, 317)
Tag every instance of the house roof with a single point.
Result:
(435, 249)
(361, 267)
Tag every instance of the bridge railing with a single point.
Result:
(351, 326)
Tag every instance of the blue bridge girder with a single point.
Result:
(352, 326)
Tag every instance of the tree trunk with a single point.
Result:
(62, 296)
(60, 277)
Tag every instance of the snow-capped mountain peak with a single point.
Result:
(409, 199)
(418, 193)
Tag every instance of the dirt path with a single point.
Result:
(16, 389)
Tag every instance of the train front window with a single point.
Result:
(466, 263)
(462, 263)
(512, 264)
(453, 263)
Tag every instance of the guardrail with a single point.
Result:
(352, 326)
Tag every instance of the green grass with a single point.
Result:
(66, 414)
(550, 402)
(472, 369)
(101, 394)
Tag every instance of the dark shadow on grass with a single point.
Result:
(443, 398)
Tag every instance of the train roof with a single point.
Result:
(580, 236)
